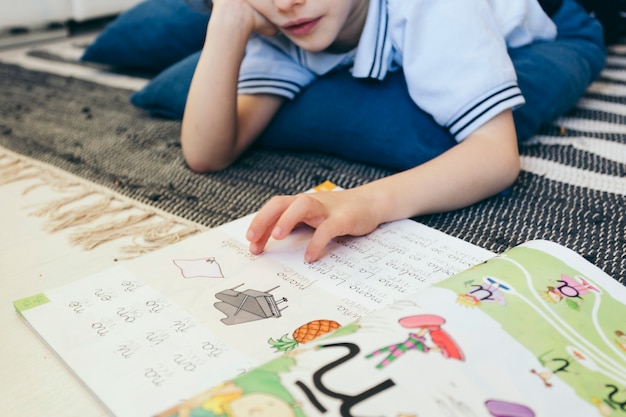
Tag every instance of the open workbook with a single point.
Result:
(421, 324)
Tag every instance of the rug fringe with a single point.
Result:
(14, 170)
(94, 215)
(131, 225)
(159, 237)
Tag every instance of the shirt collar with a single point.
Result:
(370, 59)
(373, 53)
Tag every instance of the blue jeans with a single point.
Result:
(376, 122)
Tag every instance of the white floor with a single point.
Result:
(33, 382)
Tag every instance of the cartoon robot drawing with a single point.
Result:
(249, 305)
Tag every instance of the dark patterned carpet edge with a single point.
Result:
(91, 131)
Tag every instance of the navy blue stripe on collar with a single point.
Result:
(376, 69)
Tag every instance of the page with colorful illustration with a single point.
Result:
(154, 331)
(536, 331)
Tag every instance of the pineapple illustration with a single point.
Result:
(303, 334)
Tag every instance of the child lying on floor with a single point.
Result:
(482, 74)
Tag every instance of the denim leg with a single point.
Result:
(554, 75)
(376, 122)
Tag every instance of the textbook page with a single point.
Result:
(536, 331)
(155, 330)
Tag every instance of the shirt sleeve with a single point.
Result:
(455, 60)
(268, 68)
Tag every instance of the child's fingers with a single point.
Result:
(282, 214)
(264, 221)
(303, 209)
(257, 246)
(324, 233)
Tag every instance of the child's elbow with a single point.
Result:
(194, 159)
(201, 158)
(197, 165)
(199, 152)
(511, 169)
(201, 164)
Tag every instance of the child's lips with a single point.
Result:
(301, 27)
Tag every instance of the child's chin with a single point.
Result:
(312, 45)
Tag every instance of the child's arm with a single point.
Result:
(482, 165)
(218, 125)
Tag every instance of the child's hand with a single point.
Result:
(332, 214)
(242, 11)
(457, 178)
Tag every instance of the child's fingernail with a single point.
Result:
(254, 248)
(277, 232)
(250, 235)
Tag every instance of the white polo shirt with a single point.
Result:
(453, 53)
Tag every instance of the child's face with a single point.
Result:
(316, 25)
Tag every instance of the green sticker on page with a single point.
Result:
(30, 302)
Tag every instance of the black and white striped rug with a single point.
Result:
(571, 189)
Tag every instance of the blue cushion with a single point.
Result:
(165, 95)
(328, 116)
(150, 37)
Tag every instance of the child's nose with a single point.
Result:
(287, 4)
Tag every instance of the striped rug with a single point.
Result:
(78, 120)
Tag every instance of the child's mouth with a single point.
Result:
(301, 27)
